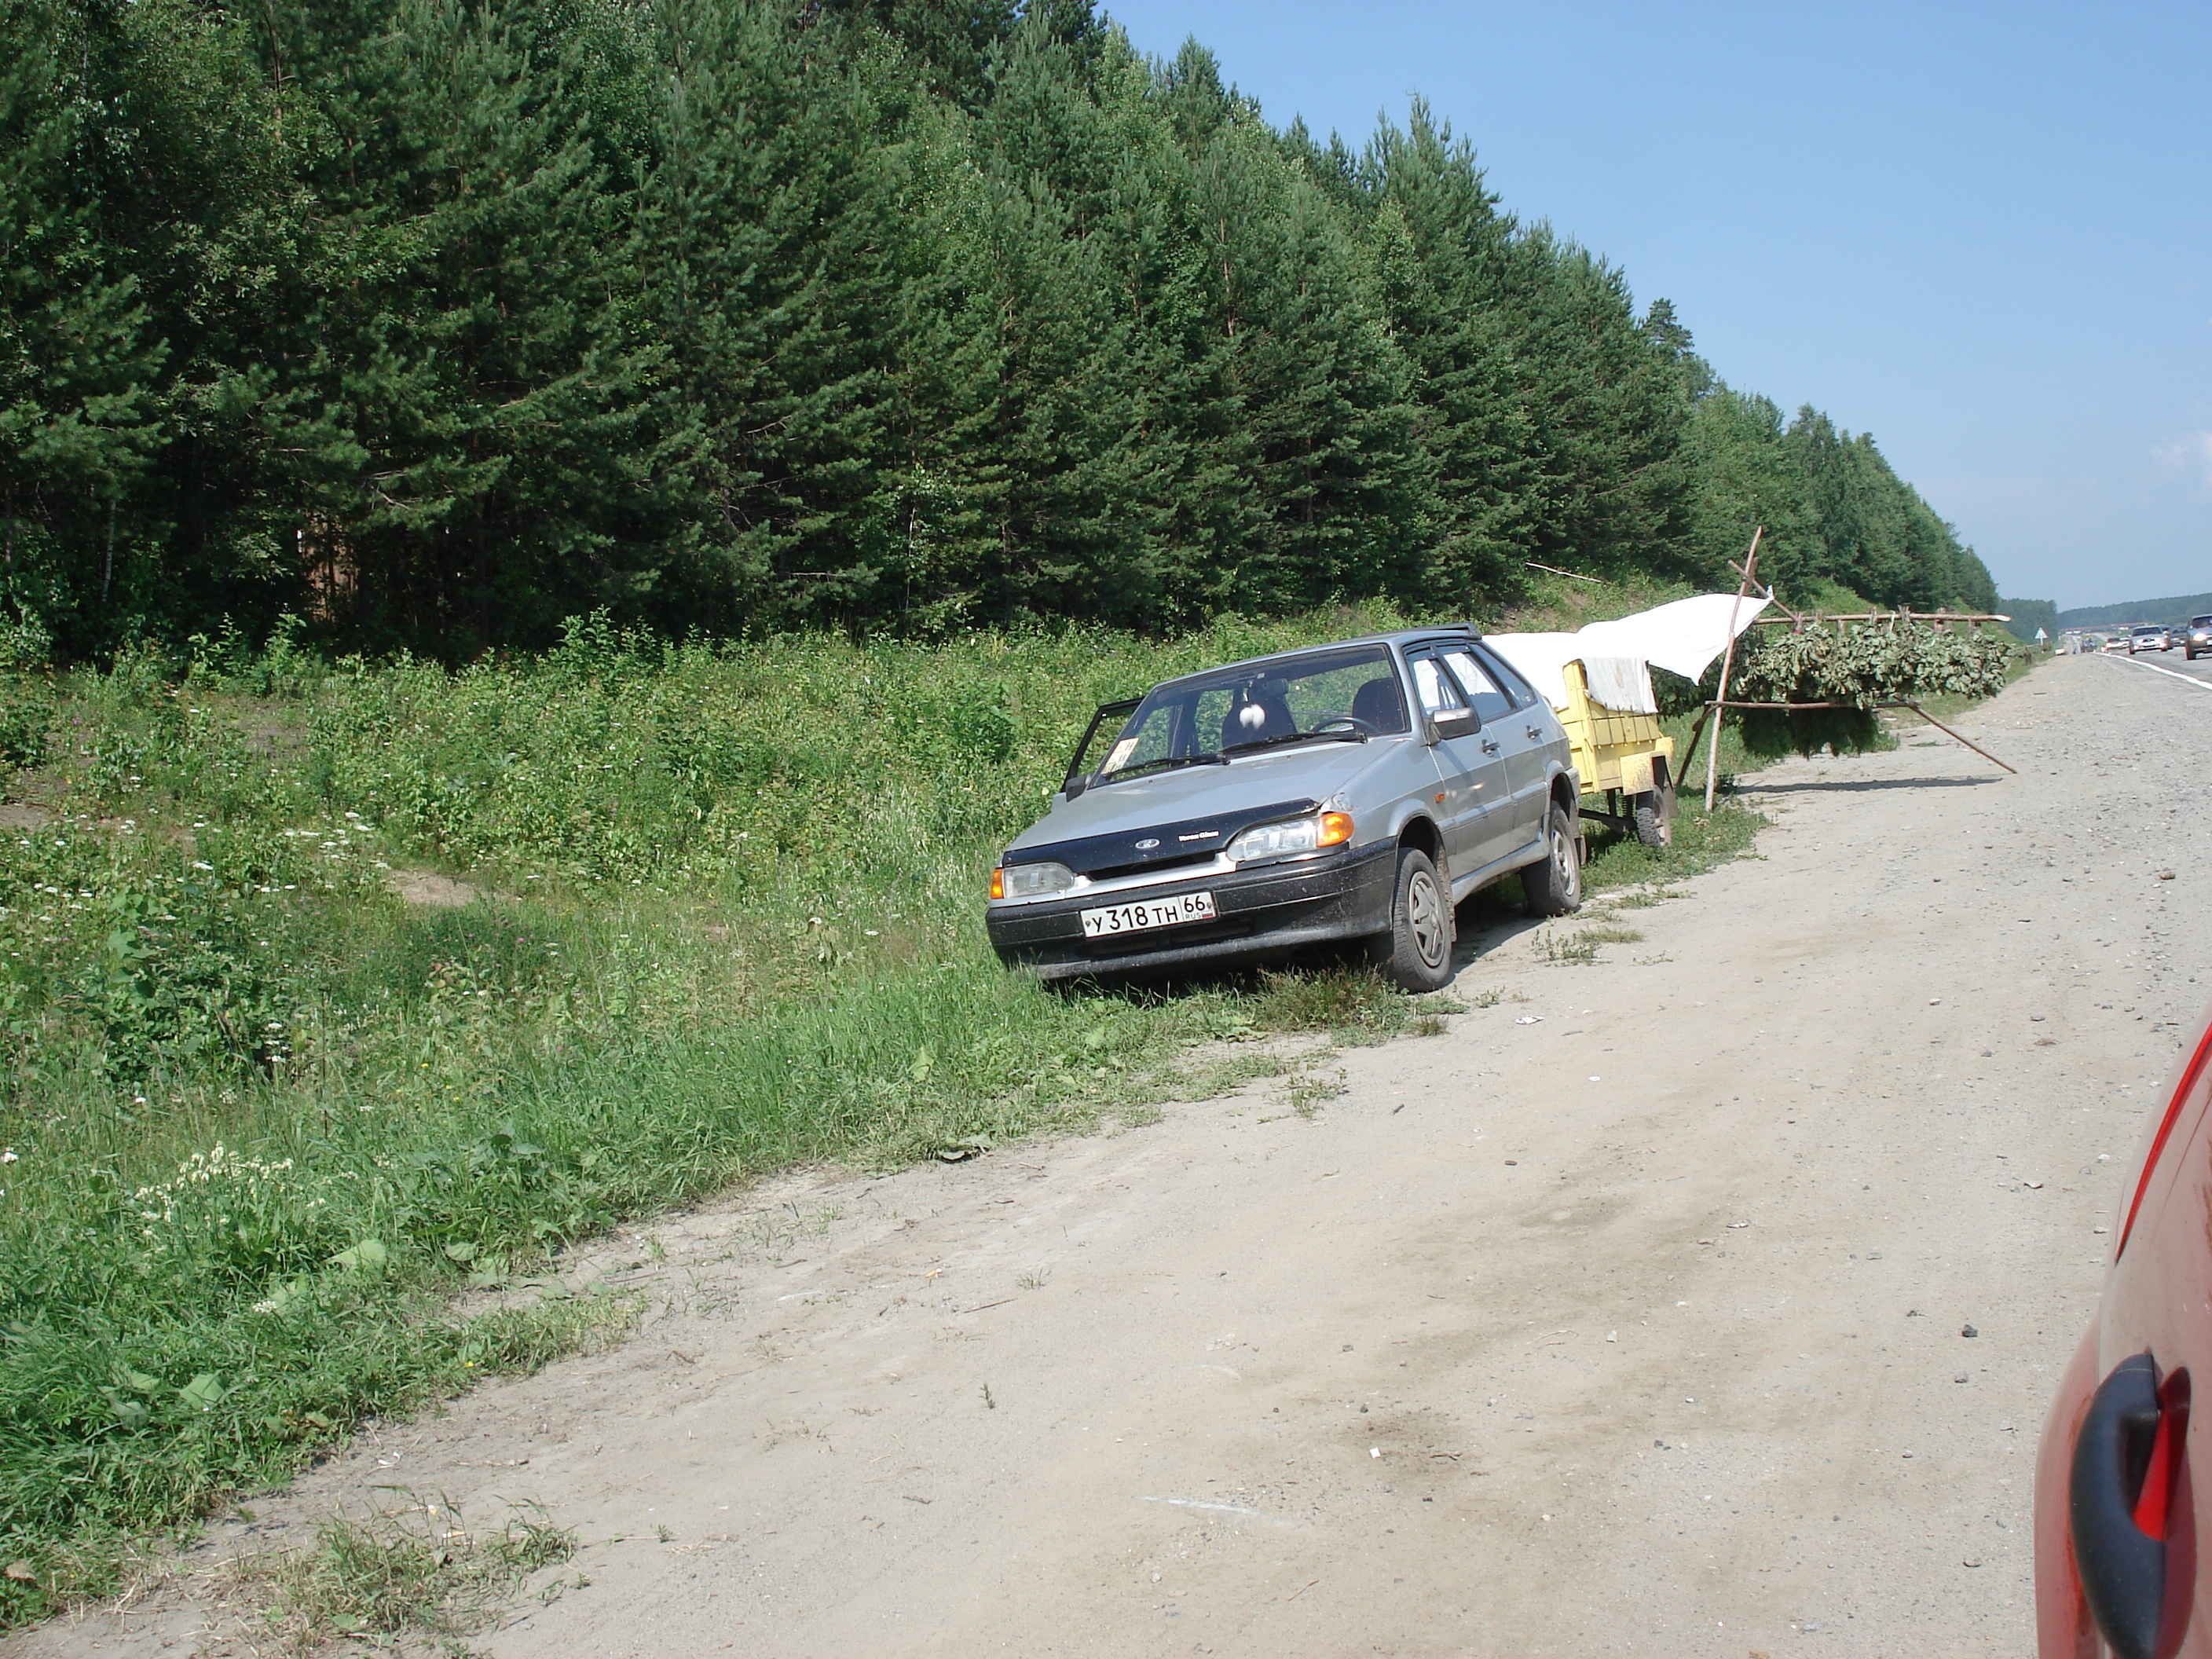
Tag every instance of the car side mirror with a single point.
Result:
(1453, 723)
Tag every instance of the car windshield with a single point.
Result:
(1347, 692)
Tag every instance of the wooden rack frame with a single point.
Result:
(1747, 571)
(1699, 730)
(1791, 618)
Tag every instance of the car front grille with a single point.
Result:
(1150, 867)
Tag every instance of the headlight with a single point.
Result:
(1271, 840)
(1030, 880)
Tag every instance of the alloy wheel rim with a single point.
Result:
(1563, 860)
(1425, 917)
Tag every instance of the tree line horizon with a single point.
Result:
(439, 323)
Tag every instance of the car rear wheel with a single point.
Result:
(1416, 953)
(1553, 885)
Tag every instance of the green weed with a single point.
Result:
(415, 1571)
(1643, 900)
(1309, 1088)
(1702, 840)
(1580, 948)
(1353, 1005)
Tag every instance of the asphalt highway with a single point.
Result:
(2173, 662)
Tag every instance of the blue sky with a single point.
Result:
(1982, 233)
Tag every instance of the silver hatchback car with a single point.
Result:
(1354, 791)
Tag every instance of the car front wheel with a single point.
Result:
(1416, 953)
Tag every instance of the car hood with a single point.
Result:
(1100, 828)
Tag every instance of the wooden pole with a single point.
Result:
(1727, 661)
(1690, 748)
(1792, 617)
(1949, 732)
(1914, 706)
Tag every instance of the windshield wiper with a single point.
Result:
(1302, 737)
(1163, 762)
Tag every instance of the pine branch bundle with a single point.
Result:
(1900, 662)
(1860, 669)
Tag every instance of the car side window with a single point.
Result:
(1434, 687)
(1524, 695)
(1482, 691)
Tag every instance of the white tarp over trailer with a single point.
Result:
(1618, 656)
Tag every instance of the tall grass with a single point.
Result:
(262, 1116)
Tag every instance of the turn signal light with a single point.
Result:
(998, 884)
(1335, 828)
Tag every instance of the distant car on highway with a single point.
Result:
(1355, 791)
(2198, 638)
(2122, 1556)
(2116, 643)
(2152, 637)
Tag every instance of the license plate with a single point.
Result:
(1112, 918)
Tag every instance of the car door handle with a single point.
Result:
(1488, 747)
(1534, 734)
(2124, 1458)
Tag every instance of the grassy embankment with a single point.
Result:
(262, 1116)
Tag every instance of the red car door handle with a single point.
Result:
(2124, 1458)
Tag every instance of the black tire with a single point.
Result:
(1653, 811)
(1416, 953)
(1553, 884)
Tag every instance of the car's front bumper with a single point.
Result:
(1258, 913)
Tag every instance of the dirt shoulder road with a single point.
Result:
(1625, 1317)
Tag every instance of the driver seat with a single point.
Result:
(1380, 705)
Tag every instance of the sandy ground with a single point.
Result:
(1629, 1316)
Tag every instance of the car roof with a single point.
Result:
(1399, 637)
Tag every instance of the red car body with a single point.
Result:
(2122, 1564)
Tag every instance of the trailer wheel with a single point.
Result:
(1653, 811)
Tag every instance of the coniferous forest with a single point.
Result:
(436, 323)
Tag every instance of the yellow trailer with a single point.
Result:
(1626, 758)
(1623, 757)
